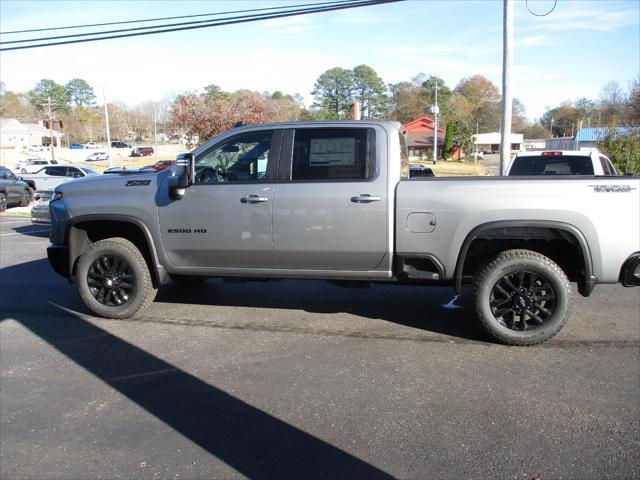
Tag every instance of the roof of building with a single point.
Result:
(420, 139)
(594, 134)
(11, 125)
(421, 124)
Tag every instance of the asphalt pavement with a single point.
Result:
(298, 379)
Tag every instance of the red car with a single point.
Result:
(161, 165)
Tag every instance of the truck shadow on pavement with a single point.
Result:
(425, 310)
(253, 442)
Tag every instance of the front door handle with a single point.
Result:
(365, 198)
(253, 199)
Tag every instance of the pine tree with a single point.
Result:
(448, 141)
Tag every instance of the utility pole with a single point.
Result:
(155, 133)
(106, 122)
(53, 155)
(507, 60)
(435, 126)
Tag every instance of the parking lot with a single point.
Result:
(299, 379)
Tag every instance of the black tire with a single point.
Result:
(188, 280)
(23, 170)
(522, 298)
(27, 197)
(3, 201)
(114, 280)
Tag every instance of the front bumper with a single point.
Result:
(59, 258)
(40, 214)
(630, 273)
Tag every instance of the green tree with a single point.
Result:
(46, 89)
(535, 130)
(215, 93)
(333, 94)
(444, 95)
(564, 118)
(464, 138)
(624, 152)
(407, 102)
(79, 93)
(370, 91)
(482, 97)
(448, 141)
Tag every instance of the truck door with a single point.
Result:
(330, 212)
(224, 219)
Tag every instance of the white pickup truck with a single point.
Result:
(561, 162)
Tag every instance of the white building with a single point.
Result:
(14, 134)
(490, 142)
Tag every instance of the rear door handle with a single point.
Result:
(253, 199)
(365, 198)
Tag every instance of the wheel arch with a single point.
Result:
(84, 230)
(585, 286)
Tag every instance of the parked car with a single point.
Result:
(332, 202)
(51, 176)
(419, 170)
(98, 156)
(127, 171)
(119, 144)
(142, 152)
(40, 210)
(76, 146)
(33, 165)
(37, 148)
(161, 165)
(13, 190)
(561, 162)
(92, 145)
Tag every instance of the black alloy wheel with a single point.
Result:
(111, 280)
(523, 300)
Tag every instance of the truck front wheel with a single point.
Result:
(114, 280)
(522, 298)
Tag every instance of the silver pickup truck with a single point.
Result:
(334, 201)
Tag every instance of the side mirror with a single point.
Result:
(183, 176)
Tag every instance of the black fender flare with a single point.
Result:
(590, 280)
(78, 243)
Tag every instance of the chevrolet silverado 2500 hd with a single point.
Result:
(334, 201)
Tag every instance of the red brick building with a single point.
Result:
(420, 137)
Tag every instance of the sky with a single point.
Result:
(570, 53)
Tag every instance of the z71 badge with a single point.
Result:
(612, 188)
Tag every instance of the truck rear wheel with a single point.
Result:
(522, 298)
(114, 280)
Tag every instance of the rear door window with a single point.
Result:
(552, 165)
(330, 154)
(56, 171)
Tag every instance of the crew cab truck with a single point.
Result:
(334, 201)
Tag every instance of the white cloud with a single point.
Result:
(292, 25)
(599, 16)
(136, 73)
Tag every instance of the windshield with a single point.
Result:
(88, 171)
(552, 165)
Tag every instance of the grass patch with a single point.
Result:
(445, 168)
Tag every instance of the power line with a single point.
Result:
(213, 23)
(153, 27)
(170, 18)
